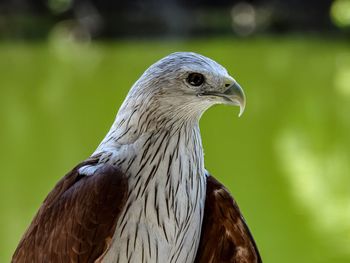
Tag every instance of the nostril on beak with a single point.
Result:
(227, 85)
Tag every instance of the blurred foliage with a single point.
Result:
(105, 19)
(286, 160)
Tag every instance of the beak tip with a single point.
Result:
(241, 109)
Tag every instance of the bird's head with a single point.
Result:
(182, 86)
(176, 89)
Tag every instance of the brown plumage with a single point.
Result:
(225, 236)
(77, 219)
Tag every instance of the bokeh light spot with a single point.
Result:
(59, 6)
(340, 13)
(243, 19)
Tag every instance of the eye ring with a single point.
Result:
(195, 79)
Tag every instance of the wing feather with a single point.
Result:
(225, 236)
(77, 219)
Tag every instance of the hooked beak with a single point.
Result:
(233, 95)
(236, 95)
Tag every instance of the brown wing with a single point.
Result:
(225, 236)
(77, 219)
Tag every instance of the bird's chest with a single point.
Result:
(161, 221)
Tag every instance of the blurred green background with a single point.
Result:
(286, 160)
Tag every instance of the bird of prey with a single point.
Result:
(144, 195)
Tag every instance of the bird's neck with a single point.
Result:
(163, 160)
(134, 121)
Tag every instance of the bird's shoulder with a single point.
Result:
(225, 237)
(77, 219)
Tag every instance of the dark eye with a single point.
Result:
(195, 79)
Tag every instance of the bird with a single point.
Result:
(144, 195)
